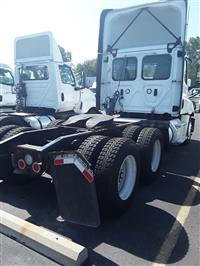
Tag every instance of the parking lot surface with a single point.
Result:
(161, 227)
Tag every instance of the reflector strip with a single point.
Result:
(88, 176)
(58, 161)
(74, 159)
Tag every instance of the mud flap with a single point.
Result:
(75, 188)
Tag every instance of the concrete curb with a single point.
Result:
(45, 242)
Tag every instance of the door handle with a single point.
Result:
(155, 92)
(62, 97)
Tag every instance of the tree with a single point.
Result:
(88, 67)
(193, 51)
(66, 56)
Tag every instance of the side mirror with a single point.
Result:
(83, 80)
(78, 88)
(188, 59)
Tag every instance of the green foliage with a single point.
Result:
(88, 67)
(193, 51)
(67, 56)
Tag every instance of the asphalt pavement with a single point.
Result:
(161, 227)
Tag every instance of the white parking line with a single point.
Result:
(172, 237)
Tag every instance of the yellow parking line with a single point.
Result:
(172, 237)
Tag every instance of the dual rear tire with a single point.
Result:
(151, 144)
(116, 165)
(119, 164)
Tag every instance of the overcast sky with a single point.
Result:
(74, 23)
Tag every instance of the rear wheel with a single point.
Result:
(150, 142)
(189, 132)
(55, 123)
(91, 147)
(5, 129)
(116, 175)
(15, 131)
(12, 120)
(132, 132)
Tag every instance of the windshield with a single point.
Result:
(6, 77)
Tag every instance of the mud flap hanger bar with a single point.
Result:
(75, 188)
(170, 46)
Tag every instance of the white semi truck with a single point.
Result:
(46, 87)
(7, 93)
(97, 160)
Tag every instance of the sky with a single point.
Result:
(74, 23)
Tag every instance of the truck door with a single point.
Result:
(69, 96)
(40, 85)
(7, 95)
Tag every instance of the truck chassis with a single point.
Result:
(95, 162)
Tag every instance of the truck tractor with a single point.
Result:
(46, 89)
(7, 93)
(97, 160)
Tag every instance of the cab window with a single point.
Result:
(34, 73)
(156, 67)
(6, 77)
(124, 69)
(66, 75)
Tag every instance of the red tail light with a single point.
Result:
(36, 167)
(21, 164)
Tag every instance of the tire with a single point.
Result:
(55, 123)
(132, 132)
(12, 120)
(15, 131)
(5, 129)
(189, 133)
(115, 192)
(149, 141)
(91, 147)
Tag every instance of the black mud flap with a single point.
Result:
(75, 188)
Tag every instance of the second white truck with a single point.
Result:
(46, 89)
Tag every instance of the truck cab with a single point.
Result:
(141, 64)
(50, 83)
(7, 93)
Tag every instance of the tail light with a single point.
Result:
(21, 164)
(36, 168)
